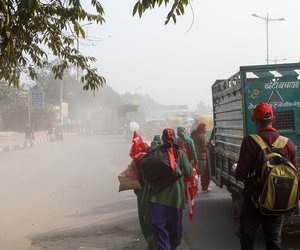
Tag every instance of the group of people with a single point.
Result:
(160, 214)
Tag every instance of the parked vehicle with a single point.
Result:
(233, 102)
(155, 127)
(174, 122)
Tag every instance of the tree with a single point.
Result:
(177, 9)
(29, 27)
(203, 108)
(13, 107)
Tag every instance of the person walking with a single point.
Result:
(190, 184)
(28, 135)
(251, 218)
(165, 207)
(156, 142)
(138, 150)
(187, 145)
(201, 142)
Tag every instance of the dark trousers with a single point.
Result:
(251, 219)
(166, 222)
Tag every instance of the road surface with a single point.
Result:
(62, 186)
(64, 195)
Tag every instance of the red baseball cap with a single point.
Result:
(202, 124)
(263, 112)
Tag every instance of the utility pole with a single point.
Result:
(267, 19)
(61, 101)
(29, 107)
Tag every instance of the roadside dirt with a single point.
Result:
(123, 234)
(116, 235)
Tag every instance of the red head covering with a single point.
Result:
(202, 124)
(139, 148)
(201, 127)
(169, 136)
(169, 139)
(263, 112)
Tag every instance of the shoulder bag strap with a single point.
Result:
(280, 142)
(260, 141)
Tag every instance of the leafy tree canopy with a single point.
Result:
(31, 28)
(177, 9)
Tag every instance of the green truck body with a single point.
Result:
(233, 102)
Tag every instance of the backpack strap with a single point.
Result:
(260, 141)
(280, 142)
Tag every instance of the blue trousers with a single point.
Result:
(251, 219)
(166, 222)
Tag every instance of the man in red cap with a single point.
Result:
(251, 218)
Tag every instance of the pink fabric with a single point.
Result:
(132, 171)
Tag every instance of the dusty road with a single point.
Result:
(62, 186)
(64, 196)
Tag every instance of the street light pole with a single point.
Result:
(277, 60)
(267, 19)
(61, 103)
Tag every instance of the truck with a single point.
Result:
(233, 102)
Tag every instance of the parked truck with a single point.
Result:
(233, 102)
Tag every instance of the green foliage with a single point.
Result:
(13, 106)
(177, 8)
(29, 27)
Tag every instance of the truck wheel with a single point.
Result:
(236, 210)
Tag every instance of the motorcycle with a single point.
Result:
(58, 134)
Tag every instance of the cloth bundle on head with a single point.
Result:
(169, 140)
(139, 148)
(263, 112)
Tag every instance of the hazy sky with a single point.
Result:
(175, 67)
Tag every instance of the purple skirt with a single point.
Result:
(167, 225)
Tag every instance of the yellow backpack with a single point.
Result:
(276, 182)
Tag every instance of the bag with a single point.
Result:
(129, 178)
(157, 170)
(276, 182)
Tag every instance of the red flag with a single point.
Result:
(139, 148)
(190, 193)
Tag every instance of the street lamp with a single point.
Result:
(277, 60)
(267, 19)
